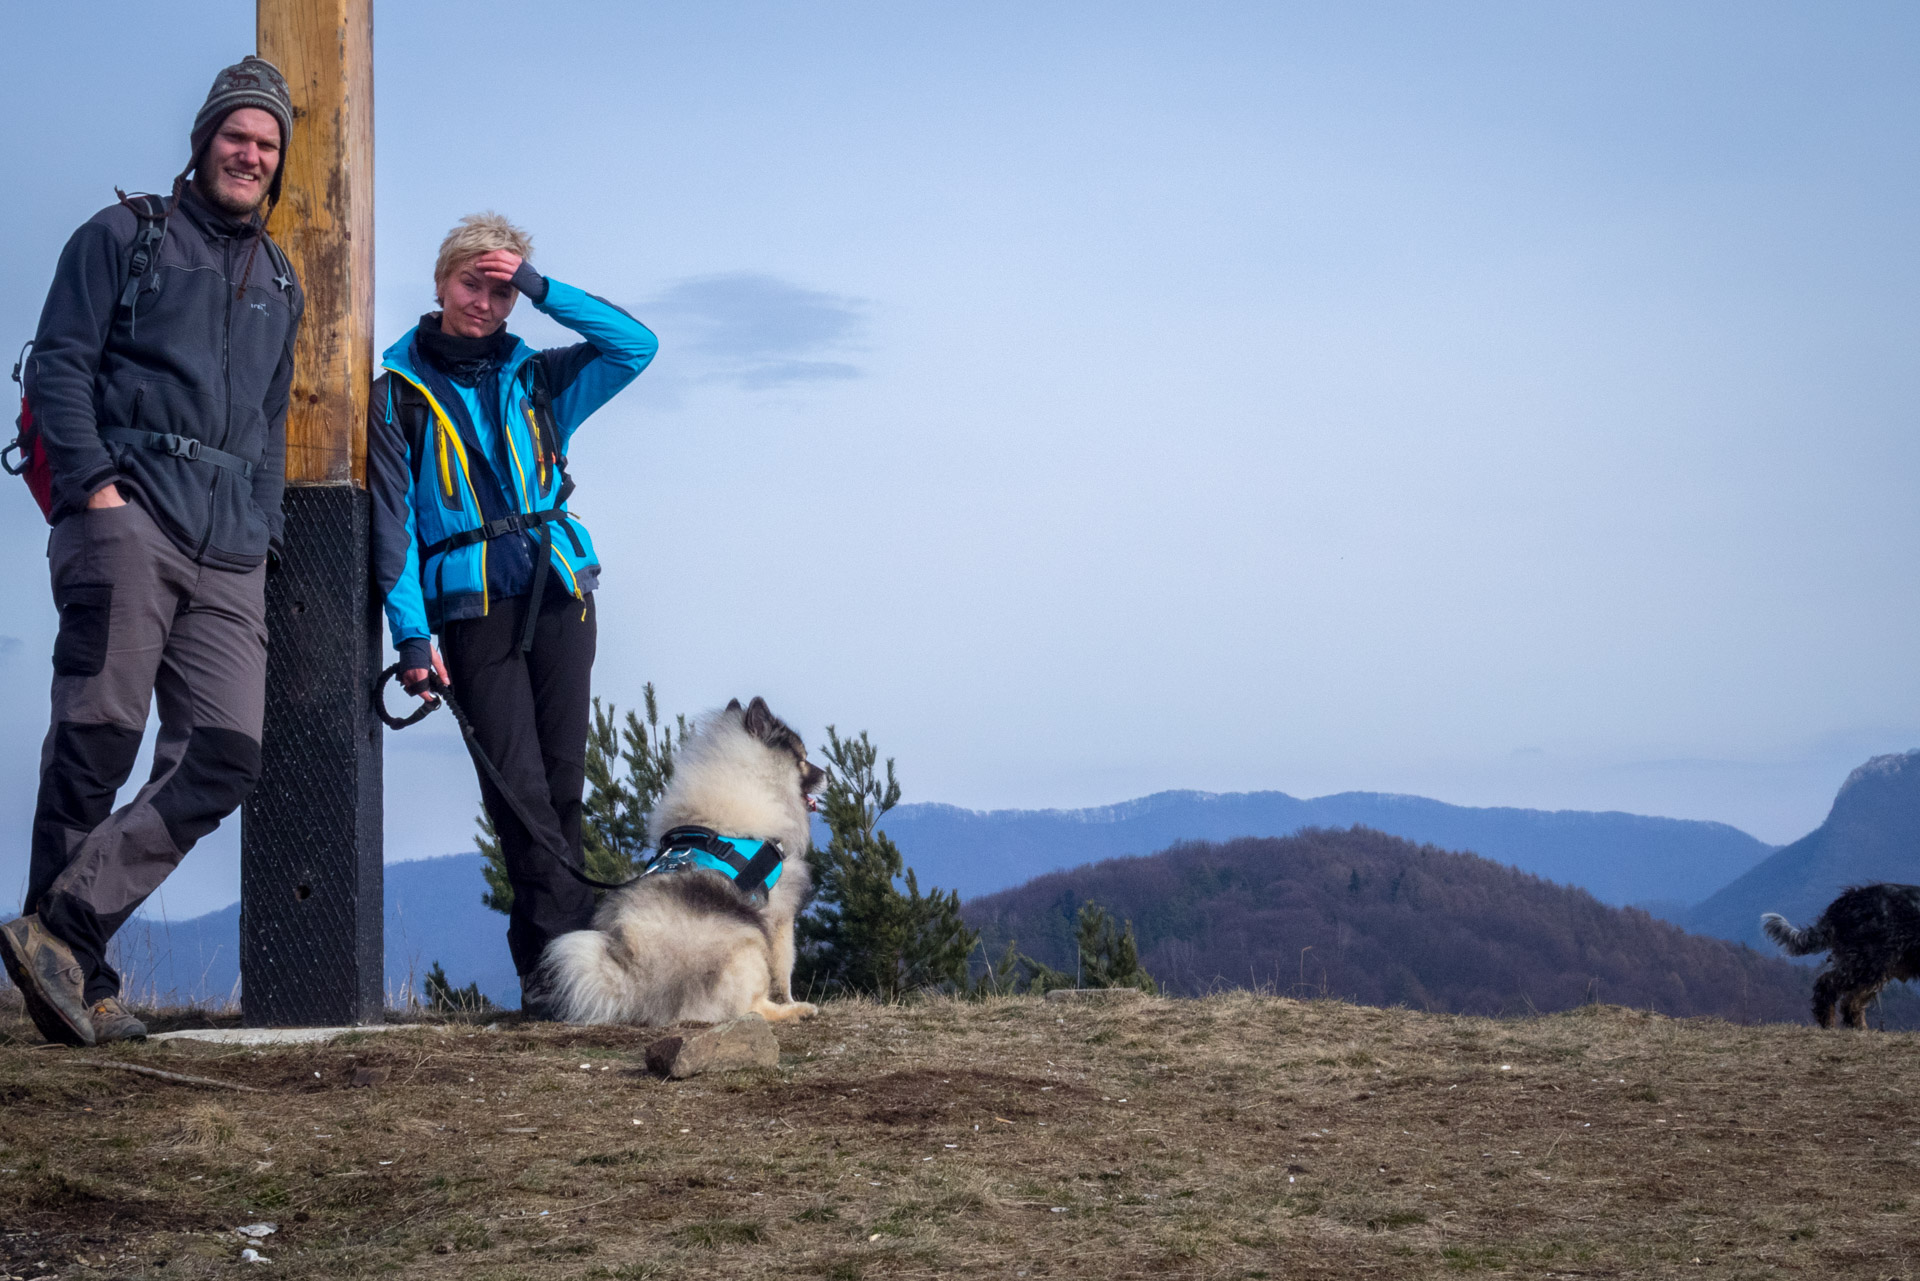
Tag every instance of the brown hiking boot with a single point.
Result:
(112, 1021)
(51, 980)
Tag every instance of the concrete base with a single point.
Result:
(273, 1035)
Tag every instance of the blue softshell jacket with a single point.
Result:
(466, 461)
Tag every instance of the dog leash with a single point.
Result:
(678, 847)
(438, 693)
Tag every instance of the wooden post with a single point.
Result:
(310, 850)
(325, 223)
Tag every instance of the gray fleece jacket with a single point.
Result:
(205, 353)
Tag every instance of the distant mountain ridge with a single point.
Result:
(433, 913)
(1872, 833)
(433, 910)
(1619, 858)
(1359, 915)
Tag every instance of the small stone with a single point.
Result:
(1093, 995)
(745, 1042)
(366, 1076)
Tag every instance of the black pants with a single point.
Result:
(531, 714)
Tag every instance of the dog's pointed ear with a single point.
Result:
(760, 719)
(733, 704)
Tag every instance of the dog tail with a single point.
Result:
(581, 981)
(1796, 942)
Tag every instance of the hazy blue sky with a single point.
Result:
(1508, 403)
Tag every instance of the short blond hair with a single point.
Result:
(477, 234)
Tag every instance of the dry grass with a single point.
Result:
(1238, 1136)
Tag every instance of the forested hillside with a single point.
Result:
(1368, 917)
(1621, 858)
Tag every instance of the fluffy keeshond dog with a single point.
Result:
(1872, 935)
(689, 946)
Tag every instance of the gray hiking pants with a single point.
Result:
(139, 620)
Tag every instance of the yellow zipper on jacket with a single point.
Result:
(539, 454)
(540, 461)
(519, 469)
(573, 584)
(448, 434)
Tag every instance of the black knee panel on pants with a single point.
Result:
(217, 771)
(89, 764)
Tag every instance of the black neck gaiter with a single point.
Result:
(464, 360)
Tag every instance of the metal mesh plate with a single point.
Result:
(310, 841)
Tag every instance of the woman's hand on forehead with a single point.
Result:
(497, 264)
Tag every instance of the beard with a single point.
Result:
(203, 182)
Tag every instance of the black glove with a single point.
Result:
(530, 282)
(416, 652)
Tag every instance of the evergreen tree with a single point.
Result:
(1015, 973)
(613, 821)
(1109, 957)
(865, 935)
(499, 894)
(443, 996)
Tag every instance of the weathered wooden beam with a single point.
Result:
(325, 223)
(310, 839)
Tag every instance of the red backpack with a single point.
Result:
(31, 461)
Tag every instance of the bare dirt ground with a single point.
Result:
(1237, 1136)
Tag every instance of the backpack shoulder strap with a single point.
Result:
(150, 230)
(539, 384)
(405, 394)
(410, 410)
(540, 391)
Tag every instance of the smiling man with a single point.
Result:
(159, 380)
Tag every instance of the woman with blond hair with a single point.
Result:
(467, 440)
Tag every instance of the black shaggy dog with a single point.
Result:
(1873, 933)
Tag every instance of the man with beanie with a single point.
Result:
(159, 379)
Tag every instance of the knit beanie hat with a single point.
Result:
(250, 82)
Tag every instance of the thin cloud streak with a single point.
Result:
(758, 332)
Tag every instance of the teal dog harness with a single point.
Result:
(753, 866)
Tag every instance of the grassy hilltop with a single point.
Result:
(1236, 1136)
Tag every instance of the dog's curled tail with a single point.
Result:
(1796, 942)
(582, 980)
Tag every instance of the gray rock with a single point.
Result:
(1094, 995)
(745, 1042)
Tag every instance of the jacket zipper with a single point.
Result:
(226, 374)
(226, 362)
(539, 446)
(133, 420)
